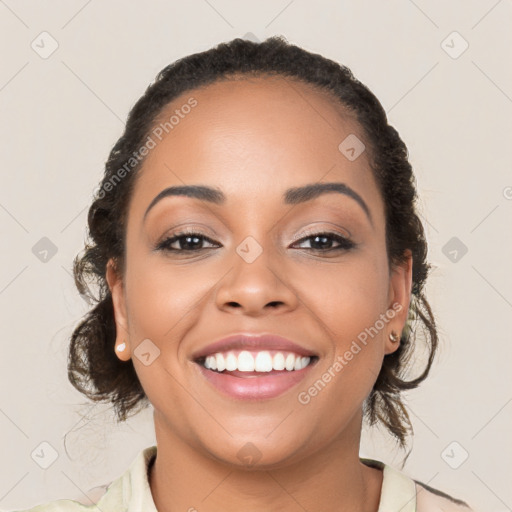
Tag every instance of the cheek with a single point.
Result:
(160, 302)
(349, 294)
(159, 295)
(350, 302)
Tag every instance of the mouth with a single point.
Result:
(254, 375)
(253, 363)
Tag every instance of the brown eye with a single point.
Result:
(186, 242)
(323, 242)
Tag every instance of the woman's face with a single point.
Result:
(256, 270)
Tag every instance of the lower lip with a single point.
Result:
(261, 387)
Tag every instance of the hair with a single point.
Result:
(93, 367)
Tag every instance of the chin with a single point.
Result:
(257, 453)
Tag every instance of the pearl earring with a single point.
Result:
(394, 337)
(121, 347)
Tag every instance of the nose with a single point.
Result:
(257, 288)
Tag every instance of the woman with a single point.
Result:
(261, 268)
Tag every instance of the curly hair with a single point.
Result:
(93, 367)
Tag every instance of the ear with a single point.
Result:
(115, 284)
(399, 299)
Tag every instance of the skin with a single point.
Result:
(253, 139)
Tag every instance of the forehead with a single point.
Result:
(252, 136)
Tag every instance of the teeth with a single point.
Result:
(245, 362)
(231, 362)
(261, 361)
(221, 364)
(278, 361)
(290, 362)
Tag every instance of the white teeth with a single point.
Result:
(245, 361)
(278, 361)
(263, 362)
(290, 362)
(219, 360)
(260, 361)
(212, 363)
(231, 362)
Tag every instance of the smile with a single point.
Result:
(255, 361)
(254, 375)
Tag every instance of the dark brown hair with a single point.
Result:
(93, 367)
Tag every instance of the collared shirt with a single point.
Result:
(131, 492)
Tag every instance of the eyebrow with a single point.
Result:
(294, 195)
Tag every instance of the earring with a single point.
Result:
(394, 337)
(121, 347)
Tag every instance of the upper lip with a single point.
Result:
(253, 341)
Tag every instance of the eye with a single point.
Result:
(186, 242)
(322, 242)
(193, 242)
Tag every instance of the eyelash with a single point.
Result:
(164, 245)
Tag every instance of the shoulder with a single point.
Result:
(89, 502)
(129, 491)
(73, 505)
(429, 499)
(59, 506)
(106, 498)
(401, 492)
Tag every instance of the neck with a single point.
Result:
(183, 478)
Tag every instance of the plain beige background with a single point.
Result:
(60, 116)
